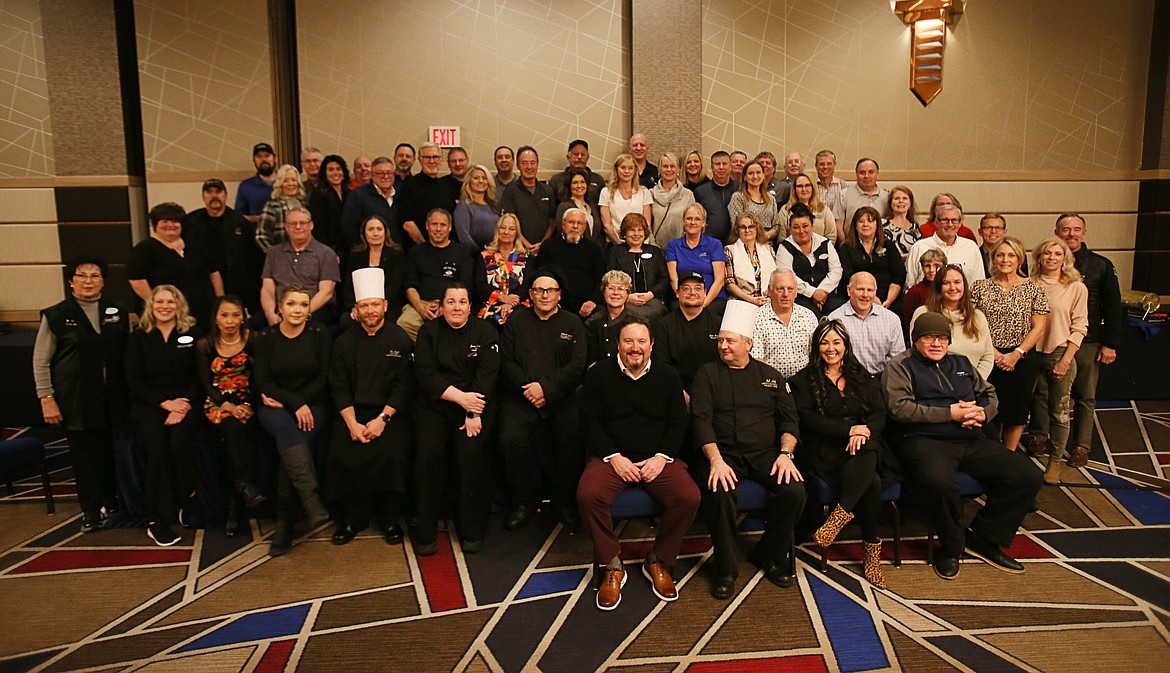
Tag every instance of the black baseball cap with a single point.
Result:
(692, 275)
(262, 147)
(214, 183)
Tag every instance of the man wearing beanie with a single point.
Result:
(939, 403)
(742, 408)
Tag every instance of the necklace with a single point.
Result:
(231, 343)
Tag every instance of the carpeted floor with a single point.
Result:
(1095, 597)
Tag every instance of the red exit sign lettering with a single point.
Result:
(444, 136)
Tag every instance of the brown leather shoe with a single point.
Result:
(660, 579)
(1078, 457)
(610, 592)
(1052, 472)
(1038, 446)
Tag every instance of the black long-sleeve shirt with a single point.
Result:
(372, 371)
(647, 268)
(685, 344)
(581, 265)
(158, 370)
(294, 372)
(550, 352)
(637, 419)
(467, 358)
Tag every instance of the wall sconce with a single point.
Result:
(928, 21)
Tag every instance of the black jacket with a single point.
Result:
(1105, 312)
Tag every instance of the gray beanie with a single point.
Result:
(931, 323)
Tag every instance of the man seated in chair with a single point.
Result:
(940, 403)
(741, 409)
(634, 419)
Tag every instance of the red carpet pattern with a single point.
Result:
(1095, 597)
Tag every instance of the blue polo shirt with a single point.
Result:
(251, 196)
(698, 258)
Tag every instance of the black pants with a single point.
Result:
(92, 453)
(785, 503)
(444, 449)
(1012, 483)
(861, 491)
(386, 507)
(170, 459)
(237, 438)
(562, 434)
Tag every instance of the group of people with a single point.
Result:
(440, 330)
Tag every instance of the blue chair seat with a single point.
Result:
(22, 452)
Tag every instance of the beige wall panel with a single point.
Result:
(1124, 262)
(27, 205)
(186, 194)
(29, 244)
(40, 286)
(1107, 231)
(26, 148)
(204, 75)
(1031, 197)
(373, 74)
(1039, 85)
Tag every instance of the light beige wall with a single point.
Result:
(373, 74)
(204, 74)
(1037, 85)
(27, 146)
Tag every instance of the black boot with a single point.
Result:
(286, 503)
(251, 495)
(298, 463)
(231, 527)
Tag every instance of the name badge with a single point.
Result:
(647, 255)
(111, 310)
(393, 354)
(565, 336)
(769, 383)
(185, 341)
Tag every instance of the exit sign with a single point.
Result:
(444, 136)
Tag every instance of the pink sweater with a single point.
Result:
(1069, 319)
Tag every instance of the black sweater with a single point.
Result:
(294, 372)
(637, 419)
(158, 370)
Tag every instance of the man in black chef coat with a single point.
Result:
(372, 386)
(746, 424)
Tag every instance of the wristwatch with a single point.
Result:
(385, 417)
(788, 454)
(472, 414)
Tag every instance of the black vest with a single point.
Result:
(86, 370)
(812, 274)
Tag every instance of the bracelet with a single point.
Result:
(1021, 351)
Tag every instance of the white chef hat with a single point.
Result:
(369, 283)
(739, 317)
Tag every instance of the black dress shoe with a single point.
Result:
(91, 521)
(392, 534)
(992, 554)
(776, 575)
(231, 527)
(946, 567)
(472, 545)
(517, 517)
(426, 549)
(722, 587)
(343, 535)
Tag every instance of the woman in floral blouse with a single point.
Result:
(504, 260)
(225, 371)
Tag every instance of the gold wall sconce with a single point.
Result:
(928, 21)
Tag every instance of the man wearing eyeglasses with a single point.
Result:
(993, 229)
(687, 337)
(424, 192)
(578, 259)
(542, 361)
(376, 198)
(959, 251)
(304, 260)
(940, 403)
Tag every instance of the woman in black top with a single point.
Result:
(292, 377)
(842, 416)
(160, 370)
(645, 264)
(376, 249)
(866, 249)
(456, 361)
(165, 259)
(325, 203)
(225, 373)
(77, 365)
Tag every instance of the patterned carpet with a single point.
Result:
(1095, 597)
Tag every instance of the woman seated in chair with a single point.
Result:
(841, 420)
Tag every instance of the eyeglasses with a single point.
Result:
(950, 220)
(748, 228)
(987, 228)
(431, 157)
(297, 225)
(616, 288)
(545, 291)
(87, 276)
(932, 339)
